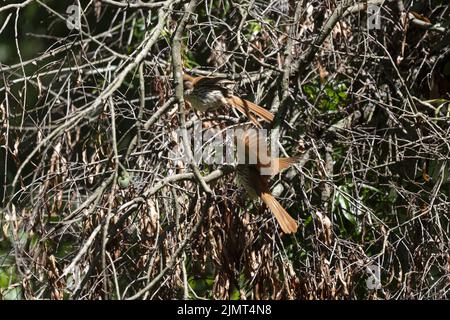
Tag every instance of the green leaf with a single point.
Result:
(344, 205)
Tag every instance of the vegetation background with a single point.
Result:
(93, 204)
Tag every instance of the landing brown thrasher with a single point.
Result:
(211, 93)
(256, 182)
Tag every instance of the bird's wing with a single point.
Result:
(216, 83)
(283, 163)
(256, 146)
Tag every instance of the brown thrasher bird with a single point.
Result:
(211, 93)
(255, 180)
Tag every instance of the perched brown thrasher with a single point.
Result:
(256, 182)
(210, 93)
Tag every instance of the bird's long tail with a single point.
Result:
(246, 107)
(287, 223)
